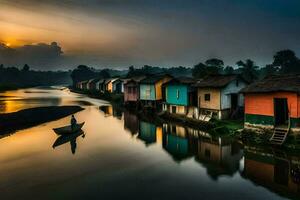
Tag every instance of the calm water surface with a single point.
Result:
(122, 155)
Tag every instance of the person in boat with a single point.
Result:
(73, 122)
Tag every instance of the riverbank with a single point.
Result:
(11, 122)
(115, 99)
(216, 127)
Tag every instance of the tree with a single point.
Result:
(248, 69)
(199, 70)
(26, 68)
(214, 62)
(228, 70)
(104, 73)
(286, 61)
(82, 73)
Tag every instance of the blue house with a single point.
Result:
(179, 95)
(151, 91)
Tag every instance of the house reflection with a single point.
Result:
(220, 156)
(148, 132)
(111, 111)
(274, 170)
(177, 143)
(131, 122)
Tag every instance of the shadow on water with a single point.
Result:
(69, 139)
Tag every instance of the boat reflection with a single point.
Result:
(68, 139)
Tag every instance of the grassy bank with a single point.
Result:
(11, 122)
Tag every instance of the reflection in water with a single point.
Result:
(131, 122)
(177, 142)
(112, 161)
(68, 138)
(219, 155)
(112, 111)
(273, 169)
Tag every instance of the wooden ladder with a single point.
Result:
(279, 135)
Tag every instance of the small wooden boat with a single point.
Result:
(68, 129)
(63, 139)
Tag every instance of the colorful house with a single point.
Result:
(109, 84)
(179, 95)
(79, 85)
(92, 84)
(151, 89)
(84, 85)
(100, 85)
(132, 89)
(219, 97)
(118, 86)
(273, 102)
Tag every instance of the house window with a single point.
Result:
(237, 83)
(177, 94)
(207, 97)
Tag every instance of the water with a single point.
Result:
(122, 155)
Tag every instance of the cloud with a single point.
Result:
(40, 56)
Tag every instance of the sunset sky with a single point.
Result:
(119, 33)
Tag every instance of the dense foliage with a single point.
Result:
(12, 77)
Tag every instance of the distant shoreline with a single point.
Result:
(12, 122)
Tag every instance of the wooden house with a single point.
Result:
(219, 95)
(109, 84)
(84, 85)
(92, 84)
(79, 85)
(100, 86)
(118, 86)
(179, 95)
(132, 89)
(273, 103)
(151, 89)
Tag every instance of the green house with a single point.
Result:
(179, 95)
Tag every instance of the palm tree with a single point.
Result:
(248, 69)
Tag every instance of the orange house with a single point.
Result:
(273, 102)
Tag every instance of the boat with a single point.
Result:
(63, 139)
(68, 129)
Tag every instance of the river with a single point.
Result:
(124, 156)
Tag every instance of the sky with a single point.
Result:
(61, 34)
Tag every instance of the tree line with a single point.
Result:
(13, 78)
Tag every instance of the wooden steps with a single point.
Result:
(279, 136)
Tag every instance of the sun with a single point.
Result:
(8, 44)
